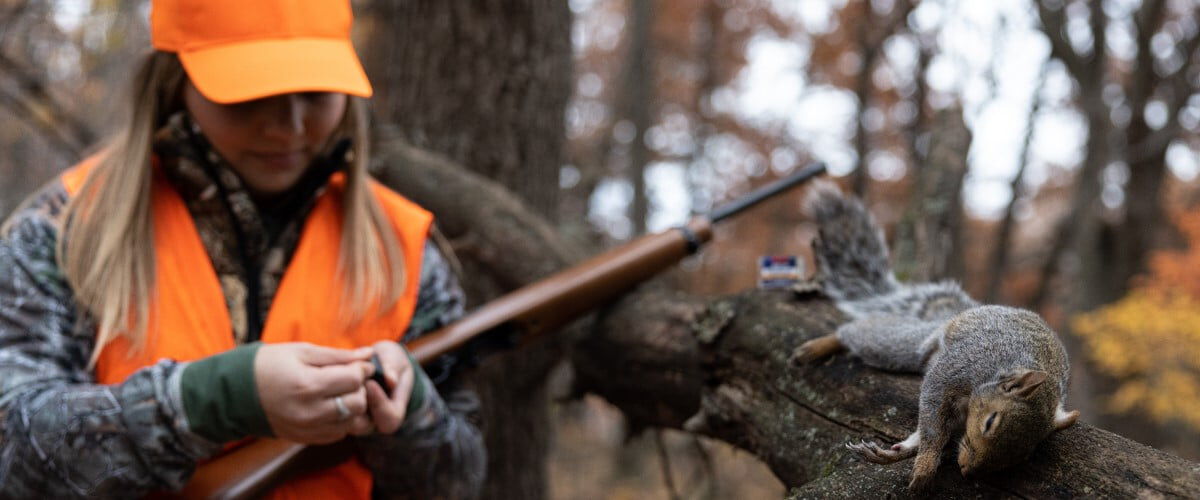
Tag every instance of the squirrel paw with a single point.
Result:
(873, 452)
(816, 349)
(920, 483)
(807, 287)
(924, 470)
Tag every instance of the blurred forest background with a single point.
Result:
(1045, 153)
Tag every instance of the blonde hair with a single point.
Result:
(106, 249)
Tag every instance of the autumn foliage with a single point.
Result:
(1150, 339)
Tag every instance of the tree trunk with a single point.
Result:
(1080, 228)
(1001, 251)
(638, 102)
(864, 91)
(699, 170)
(934, 218)
(486, 84)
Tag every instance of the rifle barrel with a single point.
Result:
(758, 195)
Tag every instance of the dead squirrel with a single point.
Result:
(994, 375)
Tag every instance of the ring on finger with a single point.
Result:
(343, 412)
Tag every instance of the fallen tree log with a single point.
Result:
(720, 368)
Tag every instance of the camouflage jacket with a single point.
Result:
(63, 435)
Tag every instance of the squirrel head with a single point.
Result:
(1007, 418)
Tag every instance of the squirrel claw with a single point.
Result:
(874, 453)
(801, 356)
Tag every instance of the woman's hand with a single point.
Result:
(388, 412)
(298, 384)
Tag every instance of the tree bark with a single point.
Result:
(485, 84)
(930, 235)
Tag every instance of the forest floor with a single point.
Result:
(591, 460)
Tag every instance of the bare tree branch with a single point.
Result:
(870, 43)
(639, 104)
(1002, 247)
(702, 129)
(1088, 74)
(1054, 25)
(868, 51)
(916, 129)
(12, 14)
(1142, 78)
(1176, 88)
(36, 104)
(1098, 22)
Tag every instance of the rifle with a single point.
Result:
(254, 468)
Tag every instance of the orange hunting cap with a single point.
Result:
(239, 50)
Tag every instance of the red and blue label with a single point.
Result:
(778, 271)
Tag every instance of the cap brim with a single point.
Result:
(244, 71)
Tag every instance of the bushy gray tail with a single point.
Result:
(852, 258)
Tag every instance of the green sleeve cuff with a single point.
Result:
(220, 396)
(421, 383)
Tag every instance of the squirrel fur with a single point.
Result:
(995, 377)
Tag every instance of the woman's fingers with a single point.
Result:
(388, 408)
(361, 426)
(354, 404)
(394, 361)
(318, 394)
(332, 380)
(402, 391)
(383, 412)
(298, 384)
(316, 355)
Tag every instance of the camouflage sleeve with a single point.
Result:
(438, 452)
(61, 434)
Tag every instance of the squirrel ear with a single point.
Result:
(1023, 383)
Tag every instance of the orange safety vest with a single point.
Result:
(189, 318)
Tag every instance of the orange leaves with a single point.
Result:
(1179, 270)
(1150, 339)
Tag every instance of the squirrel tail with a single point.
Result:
(851, 255)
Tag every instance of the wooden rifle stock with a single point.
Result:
(252, 469)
